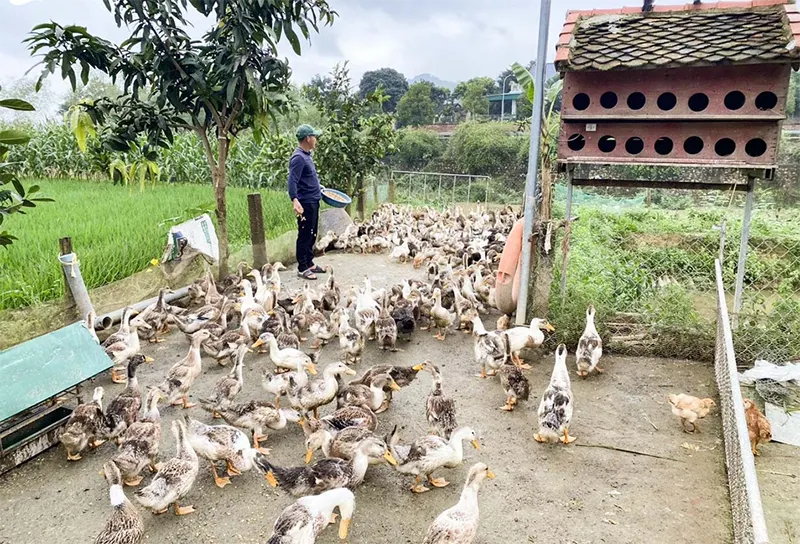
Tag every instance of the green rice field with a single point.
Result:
(115, 232)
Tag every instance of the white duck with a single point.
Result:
(430, 453)
(491, 348)
(304, 520)
(590, 347)
(278, 383)
(350, 340)
(174, 479)
(520, 338)
(459, 524)
(555, 409)
(285, 359)
(221, 443)
(366, 311)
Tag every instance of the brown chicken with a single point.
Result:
(758, 426)
(690, 409)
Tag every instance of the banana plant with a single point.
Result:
(17, 199)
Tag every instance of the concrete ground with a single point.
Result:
(778, 469)
(579, 494)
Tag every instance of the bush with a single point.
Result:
(489, 149)
(416, 148)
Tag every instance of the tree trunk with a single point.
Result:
(375, 190)
(350, 192)
(220, 178)
(360, 193)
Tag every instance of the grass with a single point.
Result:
(115, 232)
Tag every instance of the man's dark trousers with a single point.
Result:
(307, 235)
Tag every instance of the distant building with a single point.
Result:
(511, 98)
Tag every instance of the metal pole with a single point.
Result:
(469, 188)
(439, 198)
(748, 212)
(503, 103)
(453, 193)
(565, 260)
(533, 161)
(722, 231)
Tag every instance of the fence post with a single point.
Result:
(748, 213)
(722, 231)
(392, 187)
(439, 198)
(565, 256)
(257, 230)
(469, 188)
(375, 190)
(65, 248)
(453, 193)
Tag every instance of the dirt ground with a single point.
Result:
(778, 469)
(577, 494)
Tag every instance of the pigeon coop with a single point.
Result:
(696, 85)
(697, 93)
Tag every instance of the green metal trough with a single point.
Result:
(38, 380)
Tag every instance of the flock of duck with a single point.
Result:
(250, 310)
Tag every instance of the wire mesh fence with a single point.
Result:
(767, 323)
(645, 259)
(446, 189)
(749, 526)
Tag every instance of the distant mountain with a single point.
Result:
(430, 78)
(550, 71)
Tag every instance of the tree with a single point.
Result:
(417, 106)
(230, 80)
(487, 84)
(474, 99)
(393, 83)
(417, 148)
(96, 87)
(356, 139)
(16, 199)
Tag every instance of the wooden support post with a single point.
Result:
(65, 248)
(257, 230)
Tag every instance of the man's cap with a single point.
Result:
(304, 131)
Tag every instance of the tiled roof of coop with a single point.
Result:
(748, 32)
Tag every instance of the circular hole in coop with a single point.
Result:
(581, 101)
(766, 101)
(576, 142)
(698, 102)
(663, 146)
(667, 101)
(636, 101)
(693, 145)
(608, 100)
(634, 145)
(725, 147)
(756, 147)
(734, 100)
(607, 144)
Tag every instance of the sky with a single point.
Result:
(451, 39)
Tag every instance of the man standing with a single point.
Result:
(305, 192)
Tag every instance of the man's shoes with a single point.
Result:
(317, 269)
(307, 274)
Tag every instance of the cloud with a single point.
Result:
(452, 39)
